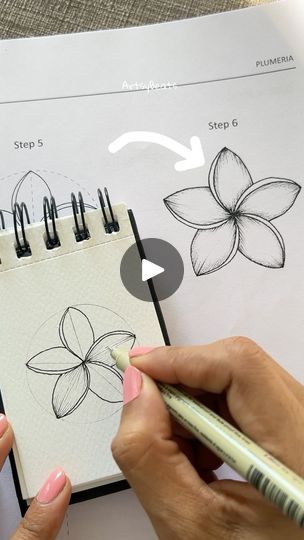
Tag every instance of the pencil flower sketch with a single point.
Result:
(82, 363)
(31, 188)
(234, 214)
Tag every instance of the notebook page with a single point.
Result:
(65, 309)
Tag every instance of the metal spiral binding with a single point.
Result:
(111, 225)
(22, 246)
(50, 215)
(2, 221)
(50, 211)
(81, 229)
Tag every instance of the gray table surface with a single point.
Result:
(20, 18)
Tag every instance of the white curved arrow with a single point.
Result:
(193, 156)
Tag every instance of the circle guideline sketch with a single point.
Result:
(31, 186)
(234, 214)
(71, 371)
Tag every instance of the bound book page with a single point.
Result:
(65, 309)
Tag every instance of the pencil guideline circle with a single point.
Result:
(70, 371)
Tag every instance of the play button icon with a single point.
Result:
(159, 262)
(150, 270)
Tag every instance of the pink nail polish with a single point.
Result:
(131, 384)
(137, 351)
(52, 487)
(3, 424)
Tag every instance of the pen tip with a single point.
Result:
(121, 358)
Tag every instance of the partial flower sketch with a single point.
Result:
(32, 186)
(81, 363)
(234, 214)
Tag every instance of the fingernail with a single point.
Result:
(137, 351)
(131, 384)
(3, 424)
(52, 487)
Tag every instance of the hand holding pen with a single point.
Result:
(172, 472)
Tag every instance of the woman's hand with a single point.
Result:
(172, 473)
(44, 517)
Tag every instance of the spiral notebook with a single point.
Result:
(65, 309)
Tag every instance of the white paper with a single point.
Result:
(68, 309)
(215, 69)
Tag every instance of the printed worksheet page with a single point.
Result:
(198, 126)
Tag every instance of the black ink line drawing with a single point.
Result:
(30, 188)
(234, 214)
(79, 357)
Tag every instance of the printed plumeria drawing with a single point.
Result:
(82, 363)
(234, 214)
(31, 188)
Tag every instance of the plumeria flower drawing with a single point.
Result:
(82, 363)
(30, 189)
(234, 214)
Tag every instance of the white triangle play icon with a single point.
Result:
(150, 269)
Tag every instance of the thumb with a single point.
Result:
(163, 478)
(45, 515)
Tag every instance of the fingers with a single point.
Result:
(258, 397)
(45, 516)
(199, 455)
(165, 482)
(209, 367)
(6, 439)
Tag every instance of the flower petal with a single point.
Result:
(70, 390)
(269, 198)
(102, 347)
(76, 332)
(211, 249)
(31, 189)
(106, 382)
(228, 178)
(261, 242)
(53, 361)
(196, 207)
